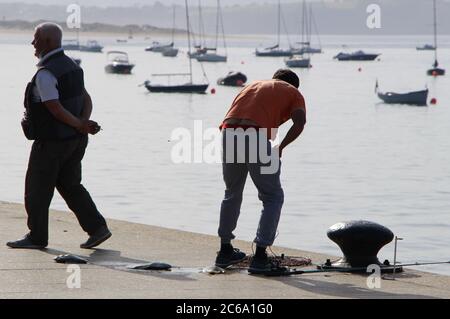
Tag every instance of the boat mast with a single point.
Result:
(435, 34)
(309, 24)
(279, 22)
(173, 25)
(201, 26)
(316, 28)
(189, 39)
(78, 33)
(223, 28)
(217, 24)
(303, 22)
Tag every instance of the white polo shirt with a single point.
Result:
(46, 83)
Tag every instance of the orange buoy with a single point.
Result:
(433, 101)
(213, 91)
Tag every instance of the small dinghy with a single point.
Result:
(417, 98)
(233, 79)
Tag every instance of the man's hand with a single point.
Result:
(94, 128)
(278, 149)
(88, 127)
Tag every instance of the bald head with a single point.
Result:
(50, 32)
(47, 37)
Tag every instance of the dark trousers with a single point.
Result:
(58, 164)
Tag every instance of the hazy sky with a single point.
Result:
(133, 2)
(148, 2)
(333, 16)
(191, 2)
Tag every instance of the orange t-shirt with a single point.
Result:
(268, 103)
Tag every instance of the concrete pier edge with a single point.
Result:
(34, 274)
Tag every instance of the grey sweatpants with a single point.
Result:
(239, 160)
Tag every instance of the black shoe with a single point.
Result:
(228, 258)
(265, 266)
(25, 243)
(97, 238)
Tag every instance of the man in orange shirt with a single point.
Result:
(248, 127)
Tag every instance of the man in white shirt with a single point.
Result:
(57, 118)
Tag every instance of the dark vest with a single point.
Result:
(38, 122)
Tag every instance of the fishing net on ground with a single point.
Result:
(284, 261)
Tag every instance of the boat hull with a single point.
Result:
(171, 52)
(359, 57)
(159, 48)
(298, 63)
(119, 69)
(274, 53)
(426, 48)
(418, 98)
(211, 58)
(186, 88)
(91, 49)
(71, 47)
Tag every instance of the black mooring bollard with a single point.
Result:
(360, 242)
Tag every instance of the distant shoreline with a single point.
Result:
(98, 29)
(20, 26)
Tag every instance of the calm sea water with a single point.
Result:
(357, 159)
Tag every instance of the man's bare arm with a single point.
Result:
(299, 119)
(84, 126)
(62, 115)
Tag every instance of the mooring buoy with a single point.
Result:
(360, 241)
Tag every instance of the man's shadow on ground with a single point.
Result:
(112, 259)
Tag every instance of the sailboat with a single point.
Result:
(275, 51)
(91, 46)
(435, 71)
(171, 51)
(426, 47)
(73, 45)
(158, 47)
(188, 87)
(200, 47)
(309, 23)
(298, 60)
(213, 56)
